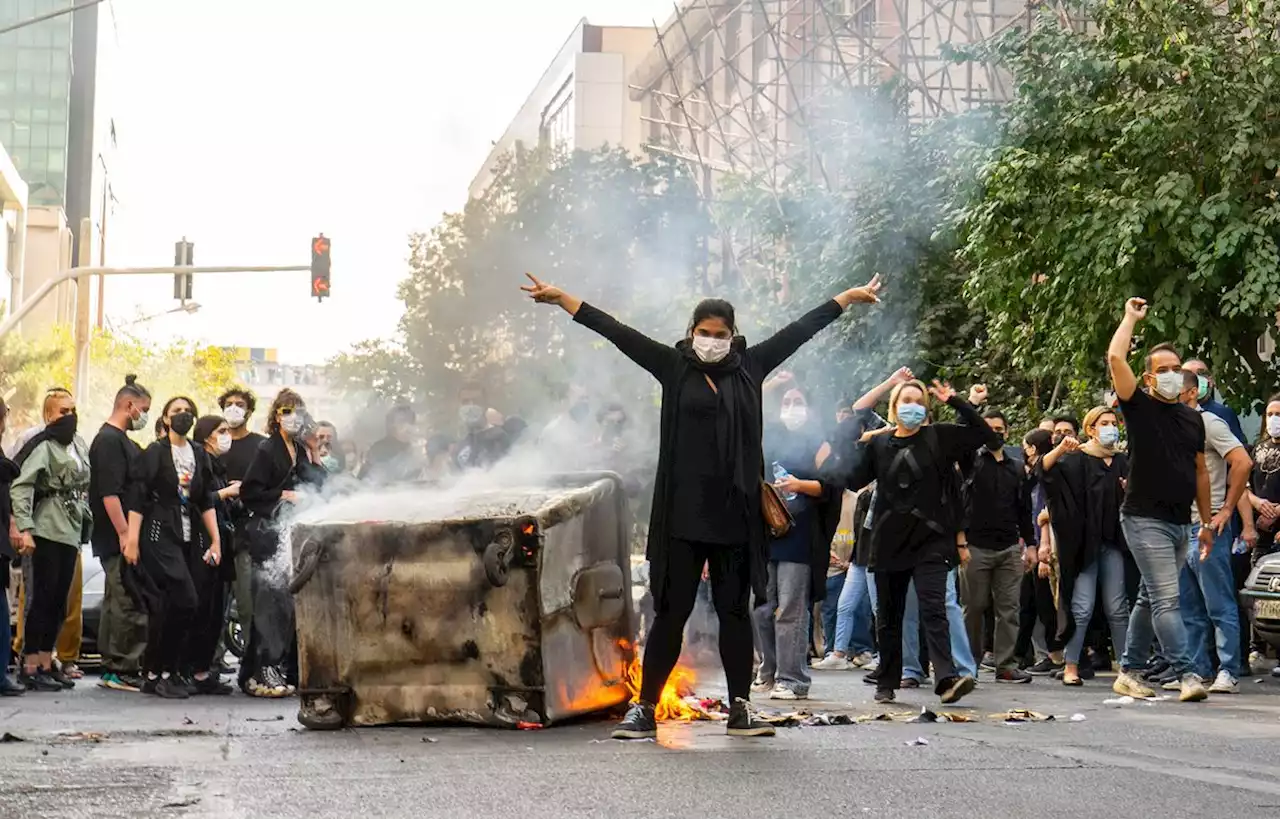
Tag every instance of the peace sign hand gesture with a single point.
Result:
(869, 293)
(942, 392)
(544, 293)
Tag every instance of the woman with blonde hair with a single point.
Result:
(1084, 484)
(917, 518)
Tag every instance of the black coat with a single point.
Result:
(9, 472)
(669, 365)
(153, 492)
(272, 472)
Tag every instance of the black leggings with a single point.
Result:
(170, 614)
(53, 567)
(730, 575)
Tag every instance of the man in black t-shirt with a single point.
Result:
(122, 630)
(1167, 473)
(237, 406)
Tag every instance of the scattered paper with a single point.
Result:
(917, 741)
(1077, 717)
(1118, 701)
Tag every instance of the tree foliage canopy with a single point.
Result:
(1139, 158)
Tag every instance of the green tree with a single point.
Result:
(1138, 157)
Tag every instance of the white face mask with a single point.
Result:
(1108, 436)
(1273, 426)
(795, 416)
(291, 423)
(138, 423)
(1169, 385)
(224, 443)
(235, 415)
(711, 349)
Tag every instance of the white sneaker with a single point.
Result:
(832, 662)
(782, 693)
(1192, 689)
(874, 664)
(761, 686)
(864, 659)
(1225, 684)
(1255, 660)
(1127, 685)
(1172, 685)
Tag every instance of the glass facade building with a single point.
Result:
(35, 97)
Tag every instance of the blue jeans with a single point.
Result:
(1160, 549)
(830, 611)
(854, 612)
(6, 631)
(961, 653)
(1208, 598)
(1107, 572)
(782, 627)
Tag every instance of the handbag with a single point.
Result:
(777, 517)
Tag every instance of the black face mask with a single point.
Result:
(1057, 438)
(998, 444)
(181, 423)
(63, 430)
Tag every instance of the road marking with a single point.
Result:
(1161, 766)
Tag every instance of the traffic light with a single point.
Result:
(320, 268)
(183, 256)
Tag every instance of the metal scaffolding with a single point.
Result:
(738, 85)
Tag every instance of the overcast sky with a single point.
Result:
(250, 125)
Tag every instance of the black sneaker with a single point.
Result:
(171, 688)
(909, 682)
(872, 677)
(1045, 668)
(9, 688)
(956, 688)
(1013, 675)
(40, 681)
(61, 679)
(210, 686)
(131, 680)
(743, 721)
(149, 685)
(886, 695)
(639, 723)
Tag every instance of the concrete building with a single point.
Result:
(259, 369)
(582, 99)
(13, 232)
(55, 122)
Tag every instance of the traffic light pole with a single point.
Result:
(82, 275)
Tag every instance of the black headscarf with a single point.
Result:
(738, 423)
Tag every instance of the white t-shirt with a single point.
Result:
(184, 464)
(1219, 441)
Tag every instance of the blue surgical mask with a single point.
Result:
(1108, 436)
(911, 416)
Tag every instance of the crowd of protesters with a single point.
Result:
(920, 545)
(194, 515)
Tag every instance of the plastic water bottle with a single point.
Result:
(779, 473)
(1239, 547)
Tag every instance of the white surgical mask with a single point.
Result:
(1273, 426)
(234, 415)
(291, 423)
(138, 423)
(1108, 436)
(795, 416)
(1169, 384)
(224, 443)
(711, 349)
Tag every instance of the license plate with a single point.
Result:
(1267, 609)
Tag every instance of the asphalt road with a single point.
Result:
(237, 757)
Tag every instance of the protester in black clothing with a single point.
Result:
(916, 520)
(482, 444)
(999, 531)
(1264, 496)
(238, 405)
(8, 534)
(707, 506)
(394, 458)
(113, 456)
(1037, 604)
(283, 465)
(173, 521)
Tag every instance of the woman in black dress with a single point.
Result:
(706, 507)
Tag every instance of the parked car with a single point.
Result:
(1262, 596)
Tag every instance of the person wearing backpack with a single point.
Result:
(916, 522)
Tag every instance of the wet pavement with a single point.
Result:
(96, 753)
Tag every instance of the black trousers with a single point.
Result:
(272, 641)
(173, 606)
(931, 592)
(730, 575)
(53, 567)
(1037, 607)
(206, 618)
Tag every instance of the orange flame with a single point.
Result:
(671, 705)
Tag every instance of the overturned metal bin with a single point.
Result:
(507, 608)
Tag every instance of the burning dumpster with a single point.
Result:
(507, 608)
